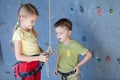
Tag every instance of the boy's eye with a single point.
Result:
(32, 21)
(61, 32)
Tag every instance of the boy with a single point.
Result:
(69, 50)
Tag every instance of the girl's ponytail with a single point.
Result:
(16, 27)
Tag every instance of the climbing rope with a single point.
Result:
(50, 29)
(50, 40)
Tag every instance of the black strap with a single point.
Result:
(66, 74)
(27, 74)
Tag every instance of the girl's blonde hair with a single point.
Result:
(25, 10)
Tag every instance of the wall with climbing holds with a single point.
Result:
(96, 25)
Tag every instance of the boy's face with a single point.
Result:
(63, 34)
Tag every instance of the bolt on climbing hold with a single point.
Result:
(98, 59)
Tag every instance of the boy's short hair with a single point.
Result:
(64, 22)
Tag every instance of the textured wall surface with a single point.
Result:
(96, 25)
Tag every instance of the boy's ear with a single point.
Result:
(70, 31)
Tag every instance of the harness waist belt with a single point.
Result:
(66, 74)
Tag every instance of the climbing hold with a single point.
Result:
(46, 44)
(72, 9)
(118, 59)
(8, 72)
(83, 38)
(118, 28)
(99, 11)
(81, 9)
(118, 11)
(111, 11)
(107, 59)
(1, 22)
(98, 59)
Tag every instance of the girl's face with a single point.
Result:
(63, 34)
(28, 22)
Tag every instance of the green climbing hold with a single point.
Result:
(71, 9)
(111, 11)
(98, 59)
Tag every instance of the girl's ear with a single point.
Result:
(21, 18)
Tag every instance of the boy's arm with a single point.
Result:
(88, 55)
(56, 67)
(58, 59)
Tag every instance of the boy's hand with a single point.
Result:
(55, 72)
(77, 69)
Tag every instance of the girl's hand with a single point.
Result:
(77, 69)
(55, 72)
(43, 58)
(49, 52)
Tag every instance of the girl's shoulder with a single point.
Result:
(18, 33)
(19, 30)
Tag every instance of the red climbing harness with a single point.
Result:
(25, 70)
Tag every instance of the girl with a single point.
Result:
(25, 41)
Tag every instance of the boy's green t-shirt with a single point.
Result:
(69, 55)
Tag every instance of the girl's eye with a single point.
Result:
(61, 32)
(32, 21)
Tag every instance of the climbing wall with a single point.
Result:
(96, 25)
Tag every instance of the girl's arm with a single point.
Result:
(88, 55)
(20, 57)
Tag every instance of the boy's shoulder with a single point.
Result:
(74, 41)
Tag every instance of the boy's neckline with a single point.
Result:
(67, 42)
